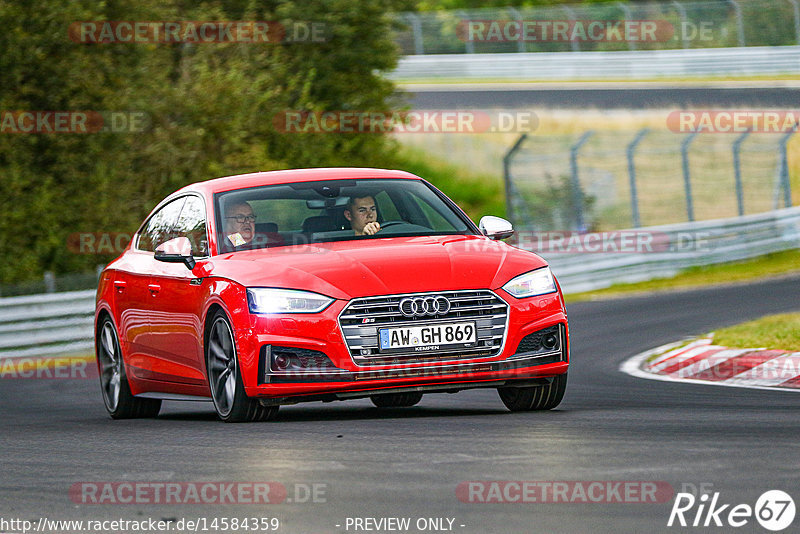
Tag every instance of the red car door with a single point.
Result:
(131, 299)
(145, 360)
(176, 304)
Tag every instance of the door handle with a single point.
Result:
(120, 285)
(154, 288)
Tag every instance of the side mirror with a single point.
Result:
(496, 227)
(178, 250)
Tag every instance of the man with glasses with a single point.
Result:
(239, 224)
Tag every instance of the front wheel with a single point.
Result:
(534, 398)
(225, 380)
(117, 396)
(396, 400)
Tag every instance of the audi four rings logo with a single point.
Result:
(421, 306)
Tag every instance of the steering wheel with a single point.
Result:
(391, 223)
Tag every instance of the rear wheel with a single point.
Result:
(225, 380)
(533, 398)
(119, 401)
(396, 400)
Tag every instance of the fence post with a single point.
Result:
(416, 31)
(682, 12)
(784, 167)
(628, 16)
(507, 176)
(796, 7)
(571, 14)
(632, 176)
(520, 41)
(49, 282)
(687, 182)
(577, 192)
(737, 170)
(469, 46)
(739, 21)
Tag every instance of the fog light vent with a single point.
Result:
(545, 340)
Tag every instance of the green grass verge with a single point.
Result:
(780, 332)
(476, 194)
(754, 269)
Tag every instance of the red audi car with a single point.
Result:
(281, 287)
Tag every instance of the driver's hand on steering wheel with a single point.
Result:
(372, 228)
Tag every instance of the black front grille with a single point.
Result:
(362, 319)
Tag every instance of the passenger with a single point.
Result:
(362, 214)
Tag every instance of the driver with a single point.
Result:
(240, 224)
(362, 214)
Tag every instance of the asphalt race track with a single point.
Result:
(592, 96)
(409, 462)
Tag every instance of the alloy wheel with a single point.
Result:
(110, 366)
(222, 367)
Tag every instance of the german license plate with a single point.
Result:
(428, 337)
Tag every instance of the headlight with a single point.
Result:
(538, 282)
(268, 300)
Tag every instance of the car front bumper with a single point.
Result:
(320, 333)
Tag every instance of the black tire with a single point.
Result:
(117, 397)
(224, 379)
(396, 400)
(533, 398)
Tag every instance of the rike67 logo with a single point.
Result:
(774, 510)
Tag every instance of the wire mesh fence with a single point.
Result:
(605, 180)
(601, 26)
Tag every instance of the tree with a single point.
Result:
(209, 110)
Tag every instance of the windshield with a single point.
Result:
(332, 210)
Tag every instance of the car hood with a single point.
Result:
(358, 268)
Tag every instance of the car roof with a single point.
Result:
(230, 183)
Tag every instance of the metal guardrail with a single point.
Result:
(708, 242)
(632, 65)
(62, 323)
(47, 325)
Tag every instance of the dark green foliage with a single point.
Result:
(210, 109)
